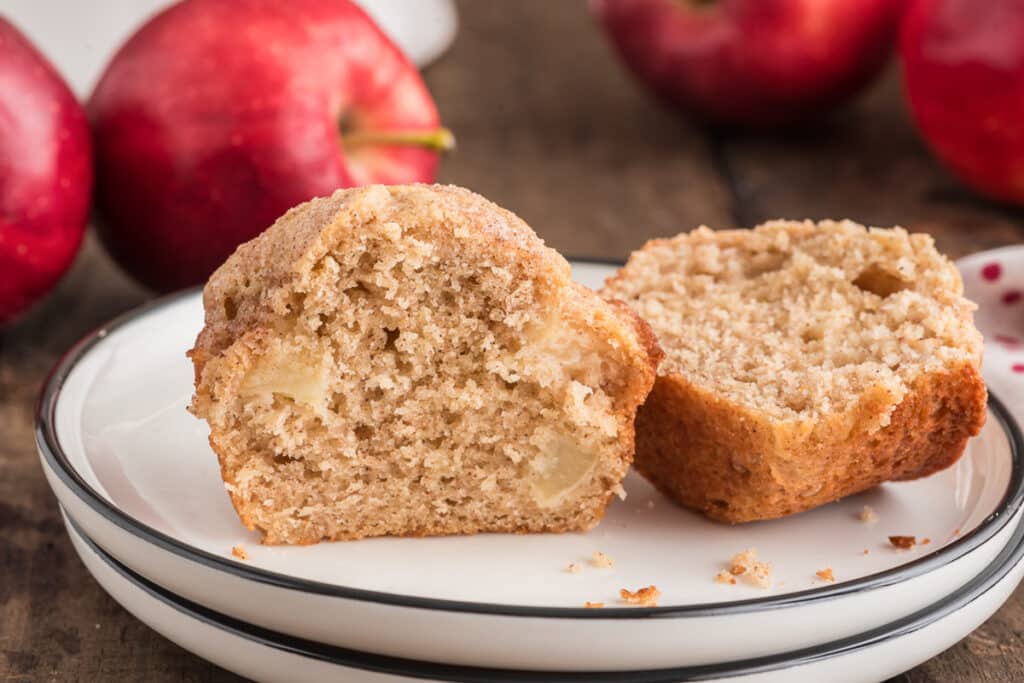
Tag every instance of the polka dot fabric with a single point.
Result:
(995, 281)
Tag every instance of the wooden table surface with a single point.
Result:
(550, 126)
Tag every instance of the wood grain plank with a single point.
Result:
(550, 126)
(866, 163)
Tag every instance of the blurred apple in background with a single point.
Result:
(45, 174)
(219, 115)
(964, 74)
(753, 62)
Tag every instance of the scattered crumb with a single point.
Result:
(825, 574)
(593, 605)
(646, 597)
(741, 562)
(956, 532)
(600, 560)
(239, 552)
(761, 574)
(650, 505)
(867, 515)
(725, 576)
(925, 540)
(573, 568)
(903, 542)
(756, 572)
(619, 491)
(97, 627)
(865, 552)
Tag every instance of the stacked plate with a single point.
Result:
(145, 508)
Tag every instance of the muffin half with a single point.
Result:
(804, 362)
(412, 360)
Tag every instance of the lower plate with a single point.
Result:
(267, 656)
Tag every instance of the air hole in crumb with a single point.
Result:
(366, 261)
(879, 281)
(325, 322)
(767, 262)
(357, 291)
(296, 304)
(230, 308)
(391, 336)
(797, 404)
(812, 334)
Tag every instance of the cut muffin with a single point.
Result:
(804, 362)
(412, 360)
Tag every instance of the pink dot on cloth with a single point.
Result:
(1011, 297)
(992, 271)
(1006, 340)
(1017, 367)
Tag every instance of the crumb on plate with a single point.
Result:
(761, 574)
(239, 552)
(725, 576)
(646, 597)
(825, 574)
(925, 540)
(746, 564)
(903, 542)
(867, 514)
(593, 605)
(865, 551)
(600, 560)
(573, 568)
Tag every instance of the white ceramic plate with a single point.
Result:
(266, 656)
(134, 469)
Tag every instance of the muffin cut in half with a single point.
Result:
(804, 362)
(412, 360)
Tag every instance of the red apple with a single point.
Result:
(45, 174)
(963, 65)
(753, 62)
(219, 115)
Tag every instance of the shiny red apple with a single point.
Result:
(753, 63)
(963, 65)
(219, 115)
(45, 174)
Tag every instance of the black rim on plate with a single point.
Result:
(1000, 567)
(51, 450)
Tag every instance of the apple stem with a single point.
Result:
(437, 140)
